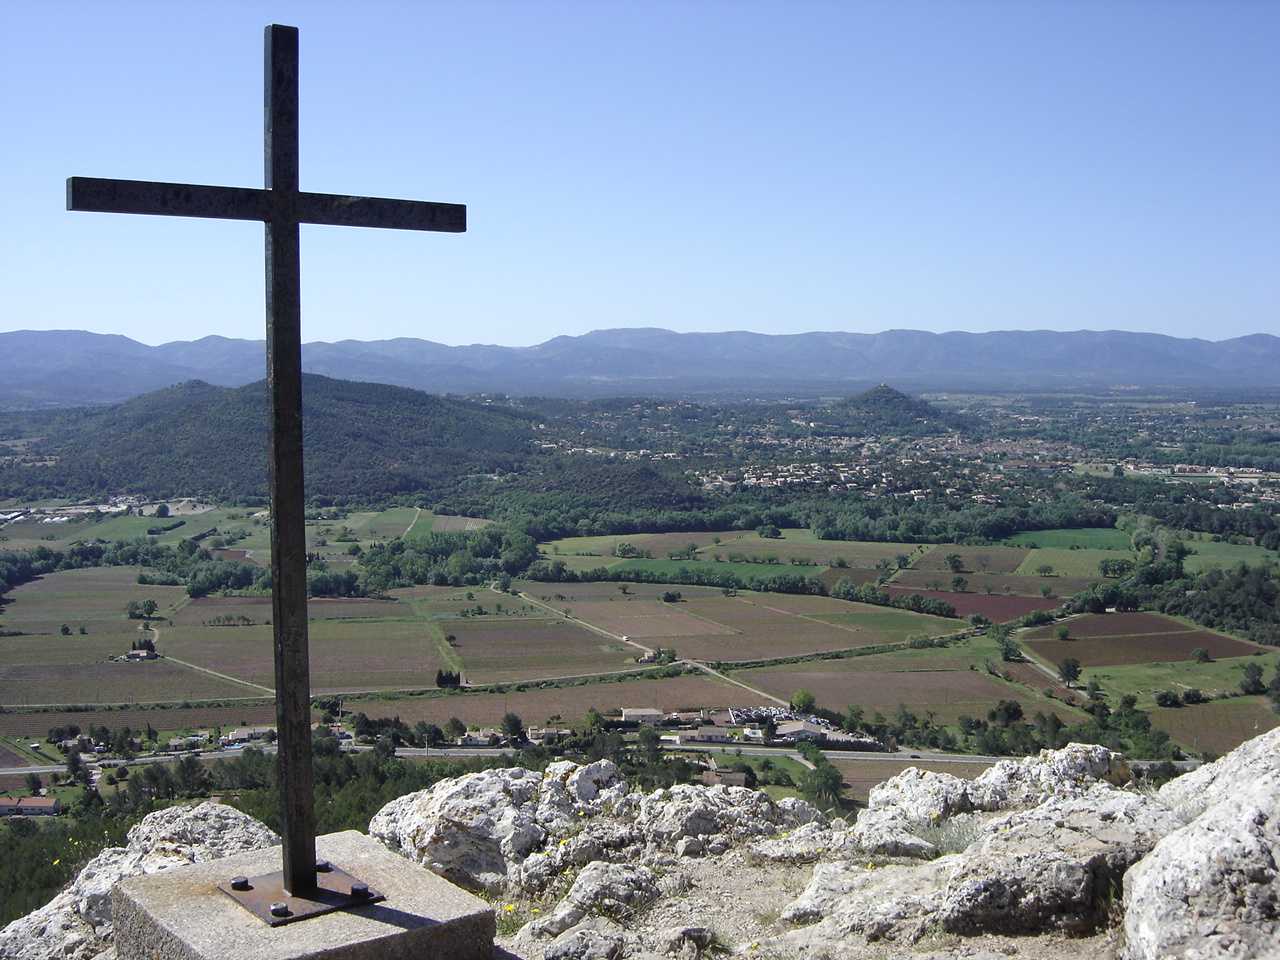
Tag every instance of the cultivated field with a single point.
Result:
(110, 682)
(37, 724)
(10, 759)
(201, 610)
(759, 626)
(1139, 648)
(973, 559)
(645, 618)
(1217, 726)
(995, 607)
(1209, 554)
(947, 693)
(994, 584)
(799, 544)
(94, 598)
(1068, 563)
(347, 654)
(1144, 680)
(1109, 625)
(565, 705)
(529, 649)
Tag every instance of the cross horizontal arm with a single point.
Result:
(329, 208)
(166, 199)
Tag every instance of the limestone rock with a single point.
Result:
(685, 942)
(878, 903)
(1194, 792)
(1069, 772)
(474, 830)
(1053, 867)
(608, 889)
(807, 843)
(76, 925)
(921, 796)
(1212, 888)
(888, 833)
(585, 943)
(738, 813)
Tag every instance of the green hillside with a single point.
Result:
(362, 440)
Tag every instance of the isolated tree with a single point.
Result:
(959, 584)
(623, 589)
(513, 727)
(954, 562)
(1201, 655)
(802, 701)
(1064, 632)
(454, 728)
(1069, 670)
(1251, 682)
(162, 511)
(902, 560)
(1045, 570)
(34, 783)
(650, 742)
(821, 785)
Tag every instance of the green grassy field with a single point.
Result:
(1066, 562)
(744, 571)
(1209, 555)
(1093, 538)
(1145, 679)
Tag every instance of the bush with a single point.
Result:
(1167, 698)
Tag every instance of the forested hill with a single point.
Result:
(884, 410)
(362, 440)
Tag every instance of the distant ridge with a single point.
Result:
(69, 368)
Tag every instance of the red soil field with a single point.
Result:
(1139, 648)
(1111, 625)
(1217, 726)
(997, 583)
(995, 607)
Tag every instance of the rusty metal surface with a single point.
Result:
(332, 892)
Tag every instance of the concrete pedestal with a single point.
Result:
(181, 915)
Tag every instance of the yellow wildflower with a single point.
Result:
(509, 907)
(57, 861)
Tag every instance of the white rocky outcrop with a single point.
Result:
(1212, 887)
(606, 889)
(1027, 781)
(517, 830)
(76, 924)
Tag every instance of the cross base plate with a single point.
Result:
(333, 892)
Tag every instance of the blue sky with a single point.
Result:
(776, 167)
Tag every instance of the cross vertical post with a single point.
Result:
(303, 888)
(288, 521)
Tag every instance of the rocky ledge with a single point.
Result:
(1044, 857)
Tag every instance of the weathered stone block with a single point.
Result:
(181, 915)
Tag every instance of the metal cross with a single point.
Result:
(281, 206)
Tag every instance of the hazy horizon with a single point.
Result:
(773, 167)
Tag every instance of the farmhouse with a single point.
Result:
(646, 715)
(797, 730)
(247, 734)
(30, 807)
(711, 735)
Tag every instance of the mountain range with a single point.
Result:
(71, 367)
